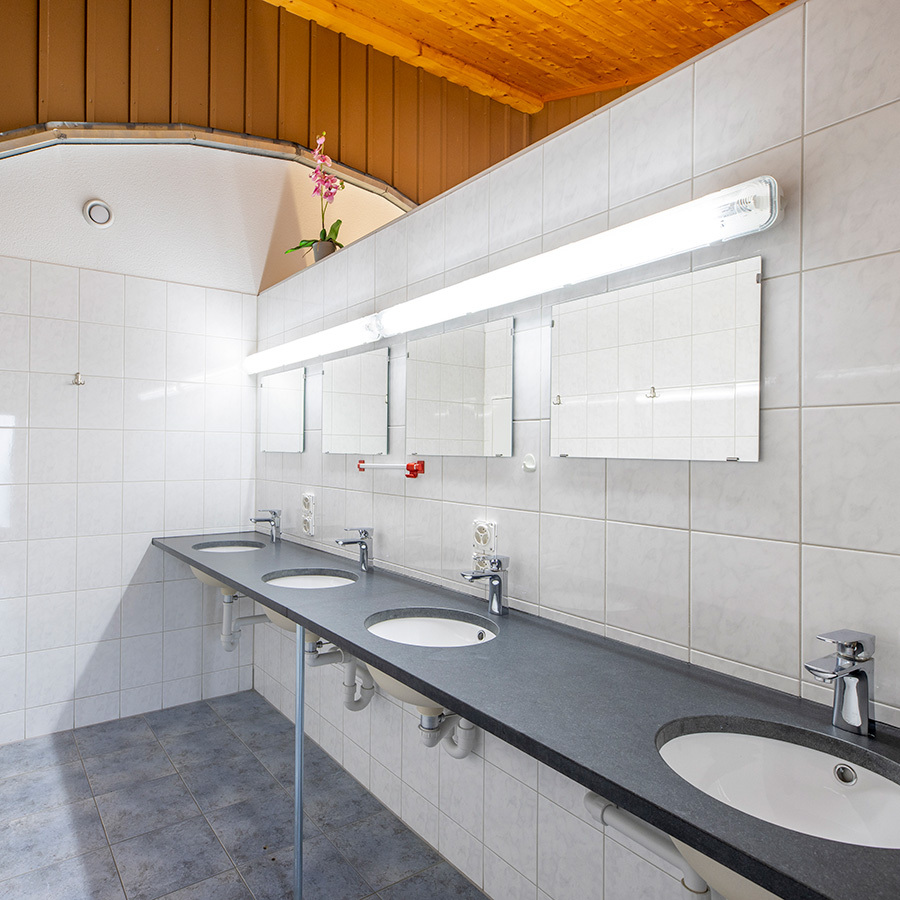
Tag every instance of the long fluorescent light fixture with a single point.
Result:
(722, 216)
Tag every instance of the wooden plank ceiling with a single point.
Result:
(527, 52)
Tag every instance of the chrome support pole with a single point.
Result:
(298, 771)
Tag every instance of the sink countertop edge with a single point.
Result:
(785, 862)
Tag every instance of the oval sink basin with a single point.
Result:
(432, 627)
(228, 546)
(310, 579)
(426, 627)
(822, 794)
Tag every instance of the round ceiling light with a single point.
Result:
(97, 213)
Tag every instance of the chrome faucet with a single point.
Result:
(496, 575)
(365, 546)
(273, 519)
(852, 671)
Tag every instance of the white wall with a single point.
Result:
(159, 439)
(735, 567)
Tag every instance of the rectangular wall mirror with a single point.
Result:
(664, 370)
(459, 392)
(354, 404)
(281, 412)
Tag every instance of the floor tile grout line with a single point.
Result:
(178, 770)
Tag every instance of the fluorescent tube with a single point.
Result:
(722, 216)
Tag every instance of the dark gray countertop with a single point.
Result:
(587, 706)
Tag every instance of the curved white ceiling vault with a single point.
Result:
(186, 213)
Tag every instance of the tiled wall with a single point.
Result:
(734, 567)
(160, 438)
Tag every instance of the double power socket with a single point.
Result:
(308, 514)
(484, 543)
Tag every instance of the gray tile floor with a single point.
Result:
(194, 803)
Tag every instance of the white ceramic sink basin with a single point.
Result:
(228, 546)
(445, 629)
(790, 785)
(309, 579)
(426, 628)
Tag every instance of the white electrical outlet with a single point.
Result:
(308, 511)
(484, 537)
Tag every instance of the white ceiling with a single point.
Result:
(191, 214)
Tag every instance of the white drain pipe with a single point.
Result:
(457, 735)
(316, 655)
(651, 838)
(231, 627)
(366, 687)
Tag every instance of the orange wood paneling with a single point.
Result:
(479, 133)
(61, 61)
(241, 65)
(526, 53)
(19, 27)
(261, 112)
(325, 86)
(455, 163)
(227, 41)
(108, 60)
(354, 105)
(498, 129)
(380, 116)
(190, 61)
(406, 129)
(293, 79)
(431, 137)
(151, 44)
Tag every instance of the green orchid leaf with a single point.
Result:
(333, 231)
(341, 246)
(303, 245)
(322, 235)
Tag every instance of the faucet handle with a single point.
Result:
(272, 512)
(498, 563)
(856, 645)
(364, 532)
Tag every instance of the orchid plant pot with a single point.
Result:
(321, 249)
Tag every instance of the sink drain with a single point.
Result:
(845, 774)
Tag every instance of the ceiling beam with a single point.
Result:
(338, 18)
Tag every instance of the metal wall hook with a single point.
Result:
(78, 380)
(556, 401)
(652, 395)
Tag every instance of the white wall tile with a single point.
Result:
(850, 486)
(647, 580)
(851, 199)
(508, 800)
(650, 138)
(863, 38)
(574, 190)
(516, 200)
(54, 291)
(466, 222)
(771, 102)
(15, 286)
(572, 572)
(145, 303)
(628, 877)
(51, 621)
(744, 600)
(845, 589)
(849, 350)
(101, 297)
(570, 853)
(759, 499)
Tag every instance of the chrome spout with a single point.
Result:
(496, 576)
(852, 672)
